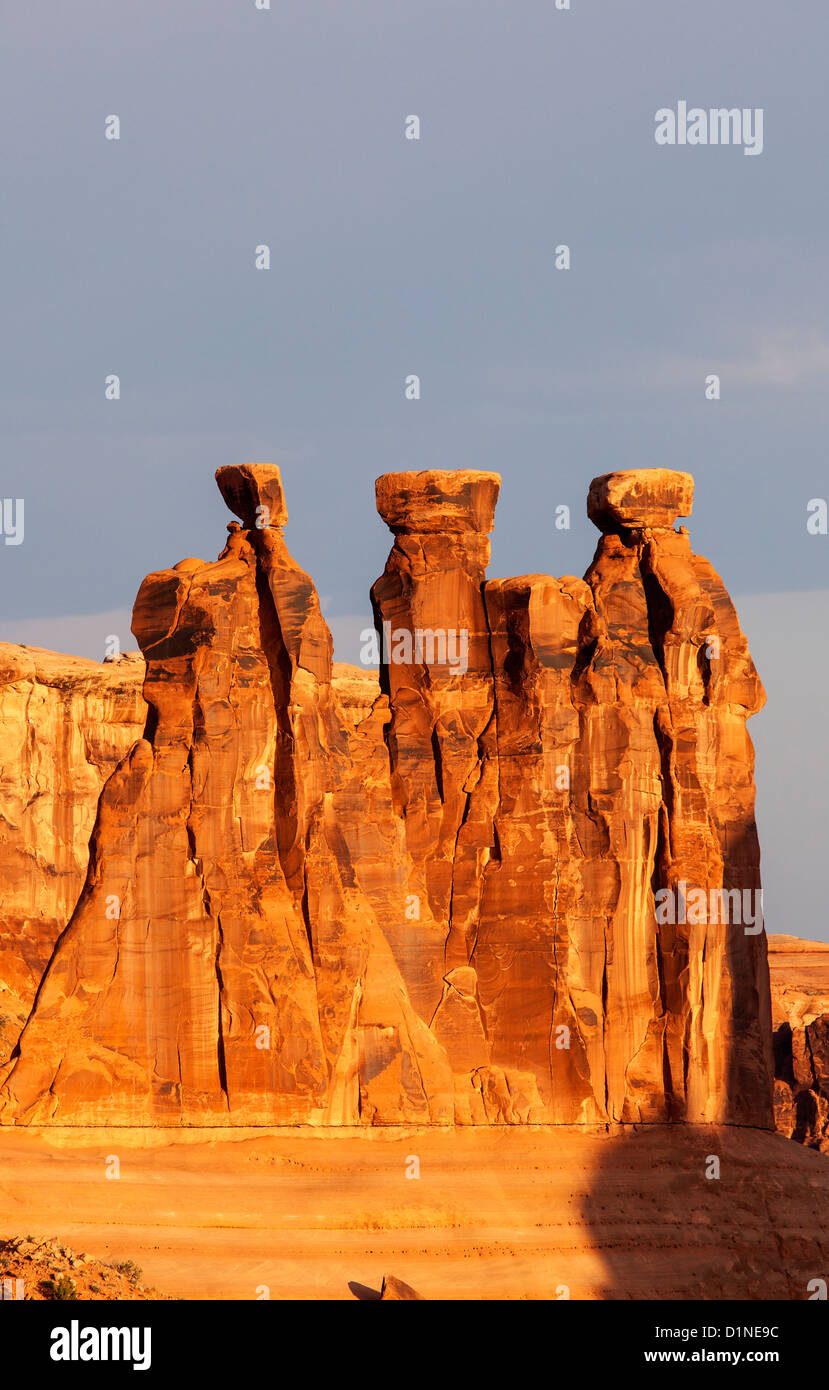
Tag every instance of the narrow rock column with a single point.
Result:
(668, 769)
(436, 667)
(537, 1022)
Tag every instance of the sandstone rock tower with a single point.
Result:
(450, 911)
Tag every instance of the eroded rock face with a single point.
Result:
(800, 1011)
(65, 724)
(221, 964)
(395, 1291)
(472, 897)
(639, 497)
(609, 764)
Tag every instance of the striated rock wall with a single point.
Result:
(800, 1012)
(610, 762)
(471, 898)
(65, 725)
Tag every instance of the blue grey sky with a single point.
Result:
(285, 126)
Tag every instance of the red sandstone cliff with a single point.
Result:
(800, 998)
(442, 905)
(66, 724)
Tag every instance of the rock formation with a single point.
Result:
(800, 1012)
(472, 898)
(610, 762)
(66, 724)
(395, 1291)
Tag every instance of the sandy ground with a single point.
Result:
(508, 1213)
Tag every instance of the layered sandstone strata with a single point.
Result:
(800, 1010)
(470, 899)
(66, 724)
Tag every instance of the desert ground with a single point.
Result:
(506, 1213)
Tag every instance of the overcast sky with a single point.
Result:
(242, 127)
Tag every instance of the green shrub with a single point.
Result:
(62, 1288)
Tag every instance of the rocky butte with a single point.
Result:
(310, 899)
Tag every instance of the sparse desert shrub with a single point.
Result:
(62, 1288)
(129, 1269)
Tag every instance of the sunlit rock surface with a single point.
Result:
(464, 894)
